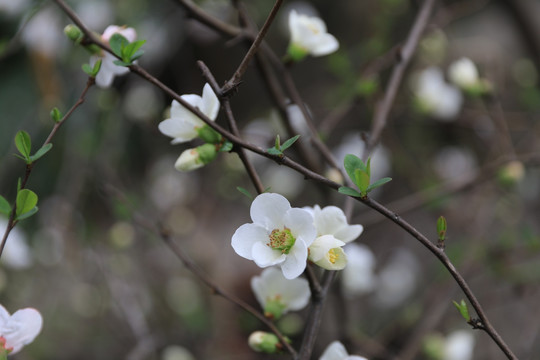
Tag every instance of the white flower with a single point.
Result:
(358, 277)
(459, 345)
(463, 73)
(327, 253)
(19, 329)
(17, 254)
(309, 36)
(183, 125)
(435, 96)
(279, 235)
(109, 69)
(336, 351)
(278, 295)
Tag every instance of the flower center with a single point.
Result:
(282, 240)
(332, 256)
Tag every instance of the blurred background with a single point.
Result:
(108, 289)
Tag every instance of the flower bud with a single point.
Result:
(73, 33)
(192, 159)
(511, 173)
(264, 342)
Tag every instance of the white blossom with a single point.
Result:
(19, 329)
(17, 254)
(109, 70)
(436, 97)
(279, 235)
(183, 125)
(459, 345)
(358, 277)
(327, 253)
(336, 351)
(278, 295)
(309, 36)
(463, 73)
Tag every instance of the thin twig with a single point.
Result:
(383, 107)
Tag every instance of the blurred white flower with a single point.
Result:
(278, 295)
(455, 163)
(279, 235)
(44, 33)
(358, 277)
(436, 97)
(397, 280)
(309, 36)
(463, 73)
(336, 351)
(183, 125)
(176, 352)
(19, 329)
(459, 345)
(13, 7)
(16, 253)
(96, 14)
(109, 70)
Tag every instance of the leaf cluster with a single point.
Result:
(360, 175)
(128, 52)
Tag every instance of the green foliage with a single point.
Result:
(24, 145)
(441, 228)
(279, 148)
(245, 192)
(56, 115)
(5, 208)
(360, 175)
(26, 204)
(92, 71)
(226, 147)
(128, 52)
(463, 309)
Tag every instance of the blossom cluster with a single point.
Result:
(288, 237)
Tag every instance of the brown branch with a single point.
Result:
(383, 107)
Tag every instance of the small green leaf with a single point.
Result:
(352, 163)
(23, 144)
(277, 143)
(137, 55)
(441, 228)
(117, 43)
(368, 167)
(122, 63)
(463, 310)
(132, 49)
(226, 147)
(26, 201)
(274, 151)
(5, 208)
(92, 71)
(42, 151)
(361, 179)
(29, 213)
(287, 144)
(349, 191)
(245, 192)
(56, 115)
(378, 183)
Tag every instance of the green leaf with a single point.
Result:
(361, 179)
(287, 144)
(352, 163)
(368, 167)
(29, 213)
(121, 63)
(226, 147)
(26, 201)
(56, 115)
(349, 191)
(131, 50)
(23, 144)
(277, 143)
(378, 183)
(92, 71)
(274, 151)
(463, 310)
(5, 208)
(245, 192)
(117, 43)
(42, 151)
(137, 55)
(441, 228)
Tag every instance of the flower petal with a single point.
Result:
(245, 237)
(25, 325)
(295, 263)
(301, 224)
(178, 129)
(326, 44)
(210, 102)
(349, 233)
(178, 111)
(268, 210)
(335, 351)
(265, 256)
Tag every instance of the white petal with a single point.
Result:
(301, 224)
(329, 220)
(24, 326)
(349, 233)
(178, 111)
(265, 256)
(296, 261)
(178, 129)
(326, 44)
(335, 351)
(268, 210)
(245, 237)
(295, 293)
(210, 102)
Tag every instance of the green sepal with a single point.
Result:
(274, 309)
(207, 153)
(26, 202)
(56, 115)
(226, 146)
(5, 208)
(42, 151)
(463, 310)
(345, 190)
(296, 52)
(24, 144)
